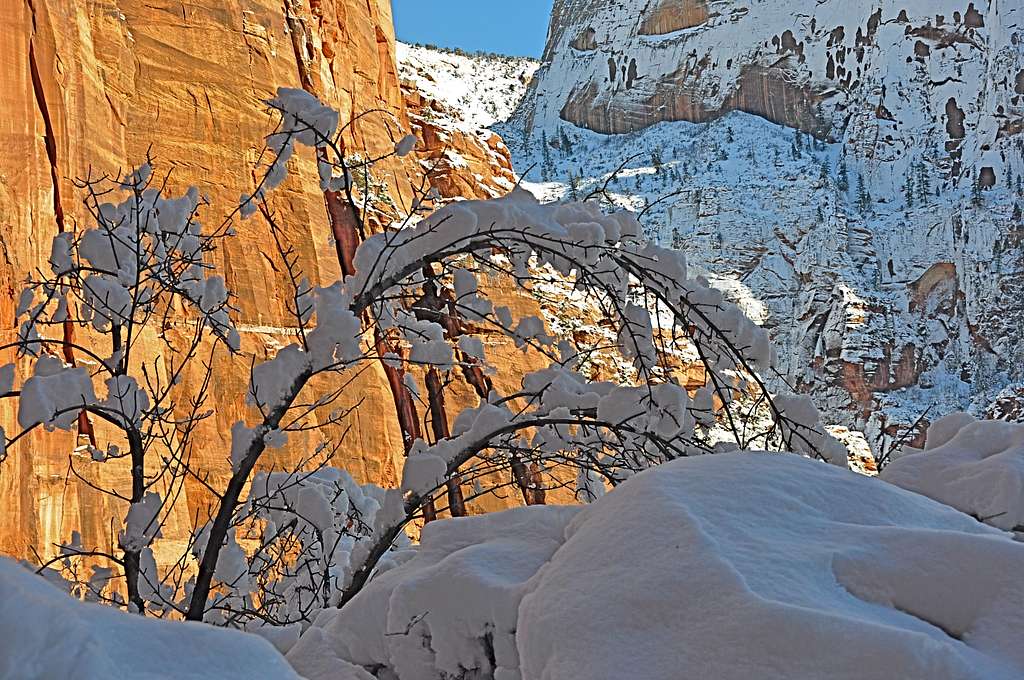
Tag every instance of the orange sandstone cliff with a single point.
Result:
(92, 87)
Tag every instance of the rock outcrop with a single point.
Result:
(93, 88)
(893, 70)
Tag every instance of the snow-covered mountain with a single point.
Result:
(850, 170)
(476, 90)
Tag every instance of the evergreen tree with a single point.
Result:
(843, 180)
(924, 185)
(863, 197)
(824, 171)
(976, 197)
(656, 160)
(547, 165)
(677, 238)
(908, 190)
(574, 187)
(565, 142)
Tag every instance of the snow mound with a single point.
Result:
(45, 634)
(775, 567)
(728, 567)
(977, 466)
(448, 610)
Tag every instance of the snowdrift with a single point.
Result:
(775, 567)
(729, 566)
(45, 634)
(977, 466)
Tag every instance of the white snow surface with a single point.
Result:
(430, 615)
(482, 89)
(727, 566)
(976, 466)
(800, 570)
(46, 635)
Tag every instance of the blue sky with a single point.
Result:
(517, 27)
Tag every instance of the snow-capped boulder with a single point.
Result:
(728, 566)
(45, 634)
(774, 567)
(976, 466)
(451, 607)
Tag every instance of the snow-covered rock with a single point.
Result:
(831, 161)
(475, 90)
(773, 567)
(727, 566)
(976, 466)
(45, 634)
(452, 98)
(450, 608)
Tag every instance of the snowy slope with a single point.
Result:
(482, 89)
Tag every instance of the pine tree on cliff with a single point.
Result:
(547, 165)
(863, 196)
(843, 179)
(924, 185)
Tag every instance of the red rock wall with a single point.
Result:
(92, 86)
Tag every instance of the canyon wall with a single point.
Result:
(849, 168)
(93, 87)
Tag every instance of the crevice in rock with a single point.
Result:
(50, 141)
(44, 112)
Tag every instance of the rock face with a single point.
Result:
(890, 70)
(452, 99)
(850, 169)
(93, 87)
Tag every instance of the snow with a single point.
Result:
(483, 89)
(336, 336)
(50, 395)
(701, 567)
(126, 401)
(272, 380)
(241, 439)
(6, 378)
(60, 254)
(775, 563)
(141, 525)
(405, 145)
(976, 466)
(452, 597)
(304, 118)
(423, 472)
(45, 634)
